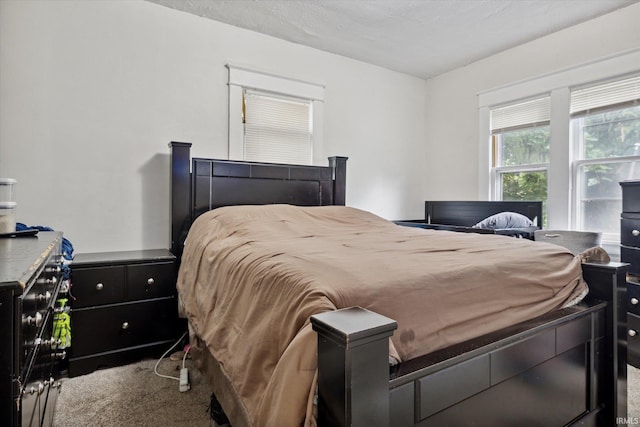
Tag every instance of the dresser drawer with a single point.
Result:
(151, 280)
(630, 232)
(107, 328)
(630, 196)
(632, 256)
(98, 285)
(633, 337)
(633, 298)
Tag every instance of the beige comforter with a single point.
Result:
(252, 275)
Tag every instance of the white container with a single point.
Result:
(7, 205)
(7, 186)
(575, 241)
(7, 217)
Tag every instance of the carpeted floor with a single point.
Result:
(133, 395)
(633, 395)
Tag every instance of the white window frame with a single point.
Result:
(241, 77)
(561, 192)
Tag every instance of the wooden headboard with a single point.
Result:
(469, 213)
(199, 185)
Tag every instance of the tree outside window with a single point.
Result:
(522, 158)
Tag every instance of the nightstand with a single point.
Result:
(124, 308)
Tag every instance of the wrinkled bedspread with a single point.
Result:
(251, 276)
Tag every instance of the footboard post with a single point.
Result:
(607, 282)
(353, 367)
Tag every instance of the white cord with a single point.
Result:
(184, 358)
(155, 368)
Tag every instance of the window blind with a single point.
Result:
(615, 94)
(277, 129)
(535, 112)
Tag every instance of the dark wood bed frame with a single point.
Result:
(463, 215)
(469, 213)
(567, 367)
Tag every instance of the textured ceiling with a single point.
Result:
(423, 38)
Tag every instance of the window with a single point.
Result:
(274, 118)
(605, 131)
(593, 133)
(277, 129)
(520, 142)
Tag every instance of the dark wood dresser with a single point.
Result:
(630, 252)
(124, 308)
(30, 278)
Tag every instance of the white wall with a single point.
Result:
(460, 168)
(91, 92)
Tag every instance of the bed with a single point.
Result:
(561, 367)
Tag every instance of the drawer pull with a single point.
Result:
(44, 297)
(33, 390)
(636, 233)
(53, 269)
(125, 325)
(46, 343)
(150, 281)
(35, 320)
(99, 286)
(634, 301)
(632, 333)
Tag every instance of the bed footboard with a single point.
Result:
(566, 367)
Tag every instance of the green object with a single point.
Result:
(62, 323)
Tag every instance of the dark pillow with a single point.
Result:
(505, 220)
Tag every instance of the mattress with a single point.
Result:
(251, 276)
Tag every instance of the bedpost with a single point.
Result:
(339, 166)
(353, 367)
(180, 194)
(607, 282)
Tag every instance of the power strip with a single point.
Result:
(184, 380)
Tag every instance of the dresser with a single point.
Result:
(30, 279)
(630, 252)
(124, 308)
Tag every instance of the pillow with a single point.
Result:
(505, 220)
